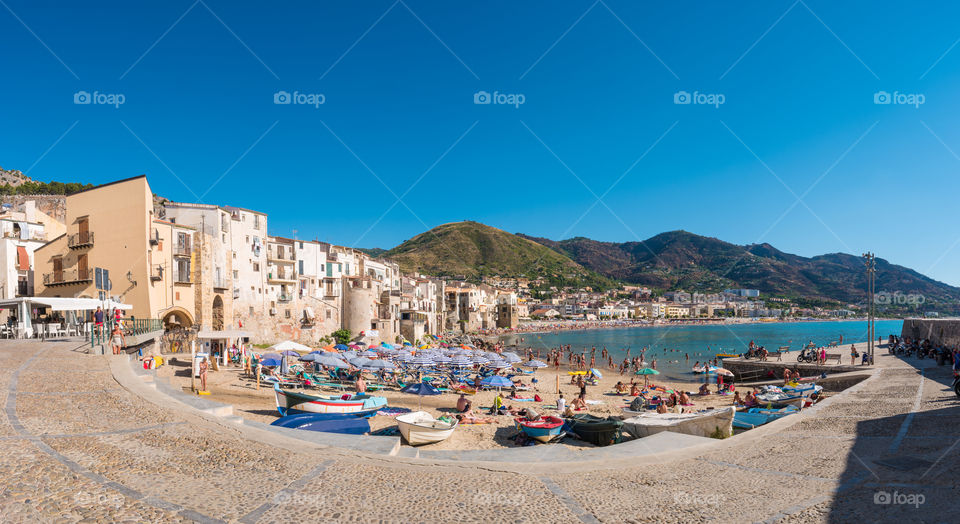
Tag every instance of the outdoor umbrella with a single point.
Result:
(511, 357)
(460, 361)
(359, 361)
(341, 347)
(377, 365)
(723, 371)
(497, 364)
(645, 372)
(330, 361)
(420, 389)
(309, 357)
(441, 359)
(275, 356)
(288, 345)
(290, 353)
(386, 345)
(479, 359)
(369, 354)
(536, 364)
(422, 360)
(349, 354)
(404, 357)
(270, 362)
(596, 372)
(496, 381)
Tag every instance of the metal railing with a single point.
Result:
(130, 327)
(67, 276)
(181, 250)
(285, 297)
(181, 277)
(80, 239)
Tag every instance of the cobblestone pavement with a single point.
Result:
(77, 447)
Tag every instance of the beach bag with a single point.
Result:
(537, 398)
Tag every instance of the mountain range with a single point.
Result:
(668, 261)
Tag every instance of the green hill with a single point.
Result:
(473, 250)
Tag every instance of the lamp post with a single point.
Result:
(871, 263)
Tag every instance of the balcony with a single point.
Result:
(182, 250)
(156, 273)
(281, 277)
(285, 297)
(80, 240)
(181, 277)
(287, 257)
(220, 283)
(67, 277)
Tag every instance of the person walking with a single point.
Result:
(203, 374)
(117, 340)
(853, 354)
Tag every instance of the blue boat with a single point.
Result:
(360, 404)
(754, 417)
(544, 429)
(344, 424)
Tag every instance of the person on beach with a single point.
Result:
(579, 403)
(117, 340)
(561, 404)
(467, 418)
(462, 403)
(620, 388)
(98, 320)
(737, 400)
(786, 376)
(634, 390)
(661, 408)
(203, 374)
(361, 384)
(853, 354)
(704, 391)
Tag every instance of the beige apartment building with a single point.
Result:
(114, 247)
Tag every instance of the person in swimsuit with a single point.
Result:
(117, 340)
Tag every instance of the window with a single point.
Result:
(301, 244)
(256, 266)
(328, 314)
(251, 310)
(301, 266)
(236, 274)
(177, 295)
(256, 221)
(286, 313)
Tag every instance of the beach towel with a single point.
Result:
(523, 399)
(594, 402)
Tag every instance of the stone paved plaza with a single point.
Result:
(79, 447)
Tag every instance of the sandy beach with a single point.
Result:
(228, 385)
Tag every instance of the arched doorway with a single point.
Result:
(177, 318)
(217, 317)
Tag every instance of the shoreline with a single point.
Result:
(592, 325)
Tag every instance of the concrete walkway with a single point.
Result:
(79, 447)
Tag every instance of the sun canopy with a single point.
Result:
(289, 345)
(64, 304)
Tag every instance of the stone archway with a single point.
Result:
(176, 318)
(217, 316)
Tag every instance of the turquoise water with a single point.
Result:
(701, 342)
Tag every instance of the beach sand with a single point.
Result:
(228, 385)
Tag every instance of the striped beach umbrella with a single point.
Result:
(536, 364)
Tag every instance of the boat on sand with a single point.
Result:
(543, 429)
(360, 404)
(325, 422)
(702, 424)
(420, 427)
(595, 430)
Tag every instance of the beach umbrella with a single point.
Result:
(288, 345)
(290, 353)
(341, 347)
(359, 361)
(596, 372)
(404, 357)
(645, 372)
(369, 354)
(274, 356)
(359, 342)
(270, 362)
(422, 360)
(460, 361)
(498, 364)
(724, 372)
(420, 389)
(309, 357)
(491, 355)
(377, 365)
(386, 345)
(496, 381)
(406, 343)
(511, 357)
(349, 354)
(330, 361)
(441, 359)
(479, 359)
(536, 364)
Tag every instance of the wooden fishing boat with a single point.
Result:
(420, 427)
(361, 404)
(726, 355)
(702, 424)
(804, 390)
(543, 430)
(326, 422)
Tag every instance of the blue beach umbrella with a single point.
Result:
(536, 364)
(275, 356)
(420, 389)
(386, 345)
(496, 381)
(270, 362)
(341, 347)
(330, 361)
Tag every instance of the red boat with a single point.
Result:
(544, 429)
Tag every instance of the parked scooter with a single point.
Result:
(808, 355)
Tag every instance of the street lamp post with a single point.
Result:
(871, 263)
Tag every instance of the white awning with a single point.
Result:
(63, 304)
(229, 334)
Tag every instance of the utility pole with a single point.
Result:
(871, 263)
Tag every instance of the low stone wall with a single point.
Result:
(940, 331)
(757, 371)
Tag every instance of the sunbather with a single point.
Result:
(465, 419)
(634, 390)
(462, 403)
(579, 403)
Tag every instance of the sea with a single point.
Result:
(671, 344)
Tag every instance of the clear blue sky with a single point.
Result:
(798, 117)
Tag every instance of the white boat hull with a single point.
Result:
(703, 424)
(420, 428)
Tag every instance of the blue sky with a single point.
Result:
(798, 154)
